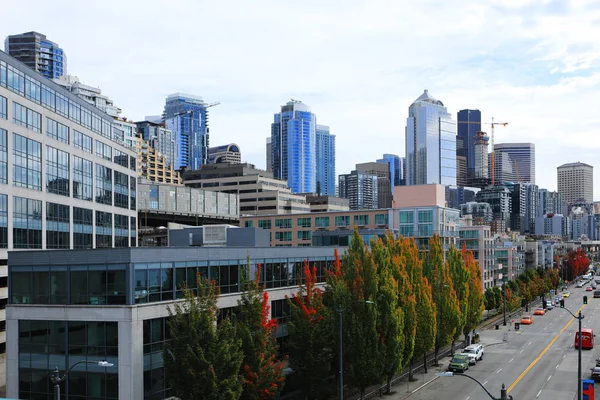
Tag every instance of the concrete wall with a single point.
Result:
(419, 196)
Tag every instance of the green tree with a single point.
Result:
(489, 299)
(460, 277)
(310, 335)
(261, 371)
(202, 360)
(475, 298)
(497, 296)
(437, 272)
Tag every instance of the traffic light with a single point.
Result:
(584, 299)
(562, 303)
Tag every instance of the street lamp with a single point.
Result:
(579, 318)
(504, 296)
(340, 310)
(503, 393)
(57, 379)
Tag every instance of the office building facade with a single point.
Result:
(549, 202)
(468, 123)
(396, 169)
(227, 153)
(187, 117)
(384, 187)
(523, 158)
(430, 143)
(479, 240)
(499, 199)
(502, 170)
(38, 53)
(293, 144)
(361, 189)
(325, 161)
(576, 182)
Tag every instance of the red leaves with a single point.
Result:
(265, 322)
(309, 298)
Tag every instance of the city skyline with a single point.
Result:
(533, 76)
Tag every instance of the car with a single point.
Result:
(474, 352)
(566, 294)
(459, 363)
(588, 289)
(597, 294)
(596, 373)
(539, 311)
(579, 285)
(549, 305)
(526, 320)
(598, 281)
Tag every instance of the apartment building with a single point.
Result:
(479, 240)
(153, 165)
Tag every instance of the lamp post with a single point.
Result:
(341, 333)
(503, 393)
(57, 379)
(504, 296)
(578, 317)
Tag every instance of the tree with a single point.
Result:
(444, 296)
(261, 371)
(202, 360)
(497, 296)
(475, 298)
(490, 299)
(460, 277)
(310, 335)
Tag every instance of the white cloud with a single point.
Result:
(358, 64)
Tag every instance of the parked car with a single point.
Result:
(474, 352)
(539, 311)
(526, 320)
(459, 363)
(597, 294)
(588, 289)
(550, 305)
(579, 285)
(596, 373)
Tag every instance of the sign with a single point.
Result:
(517, 326)
(588, 389)
(505, 339)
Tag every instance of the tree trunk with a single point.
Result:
(425, 362)
(389, 386)
(362, 393)
(411, 377)
(467, 343)
(435, 355)
(452, 348)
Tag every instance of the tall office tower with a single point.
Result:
(269, 152)
(523, 158)
(394, 163)
(187, 117)
(293, 137)
(38, 53)
(532, 207)
(430, 143)
(576, 182)
(549, 203)
(360, 189)
(481, 172)
(384, 191)
(325, 165)
(468, 123)
(159, 138)
(503, 168)
(403, 171)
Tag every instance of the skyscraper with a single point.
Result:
(38, 53)
(549, 203)
(503, 168)
(325, 165)
(430, 143)
(360, 188)
(576, 182)
(187, 117)
(293, 140)
(269, 152)
(395, 166)
(480, 177)
(523, 158)
(468, 124)
(382, 171)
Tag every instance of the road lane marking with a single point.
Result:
(499, 371)
(468, 398)
(485, 383)
(511, 360)
(548, 378)
(529, 344)
(538, 395)
(557, 365)
(512, 386)
(570, 333)
(521, 351)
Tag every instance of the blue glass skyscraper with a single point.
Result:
(187, 117)
(430, 143)
(468, 124)
(38, 53)
(325, 155)
(293, 143)
(395, 165)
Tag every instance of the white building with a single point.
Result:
(576, 182)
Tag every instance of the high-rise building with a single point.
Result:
(153, 165)
(481, 174)
(468, 123)
(503, 168)
(549, 203)
(159, 138)
(227, 153)
(576, 182)
(269, 151)
(499, 198)
(430, 143)
(92, 95)
(293, 140)
(523, 159)
(394, 163)
(38, 53)
(360, 188)
(325, 165)
(187, 117)
(384, 191)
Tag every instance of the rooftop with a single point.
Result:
(427, 98)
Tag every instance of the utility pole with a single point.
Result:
(341, 355)
(504, 295)
(579, 359)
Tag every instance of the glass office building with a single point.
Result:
(187, 117)
(38, 53)
(522, 156)
(112, 304)
(293, 137)
(430, 143)
(395, 166)
(468, 124)
(325, 155)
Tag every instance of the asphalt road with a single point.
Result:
(537, 362)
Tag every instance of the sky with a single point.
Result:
(358, 64)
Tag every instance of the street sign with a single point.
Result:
(588, 389)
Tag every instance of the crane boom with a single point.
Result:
(493, 156)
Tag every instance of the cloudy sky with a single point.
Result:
(358, 64)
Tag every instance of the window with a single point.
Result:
(3, 108)
(426, 230)
(26, 117)
(83, 228)
(425, 216)
(83, 176)
(27, 163)
(82, 141)
(304, 235)
(57, 226)
(132, 193)
(57, 171)
(15, 80)
(248, 224)
(343, 220)
(121, 190)
(3, 221)
(322, 222)
(407, 217)
(103, 185)
(264, 223)
(57, 131)
(121, 231)
(304, 222)
(103, 229)
(33, 90)
(3, 156)
(121, 158)
(283, 236)
(103, 150)
(381, 219)
(361, 219)
(132, 163)
(407, 230)
(283, 223)
(27, 223)
(132, 231)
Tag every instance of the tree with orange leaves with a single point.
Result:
(475, 298)
(262, 372)
(310, 335)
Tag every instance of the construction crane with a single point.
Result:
(493, 155)
(216, 103)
